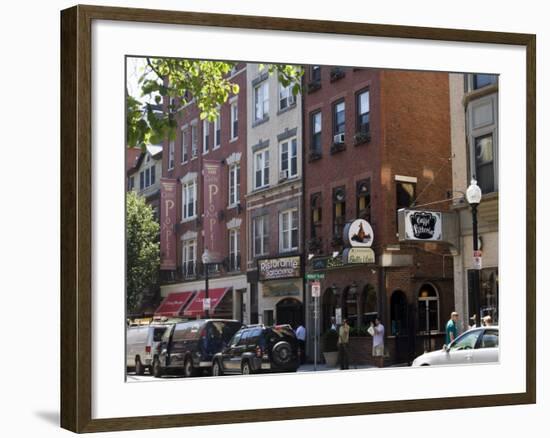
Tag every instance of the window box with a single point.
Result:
(337, 241)
(313, 86)
(314, 244)
(337, 147)
(361, 137)
(336, 74)
(314, 155)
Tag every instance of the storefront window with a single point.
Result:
(489, 293)
(428, 309)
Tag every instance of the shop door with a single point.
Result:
(289, 311)
(400, 325)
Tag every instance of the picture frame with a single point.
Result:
(77, 218)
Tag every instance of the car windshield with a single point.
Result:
(466, 341)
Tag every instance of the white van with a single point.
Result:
(141, 346)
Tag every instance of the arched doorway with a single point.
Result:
(369, 304)
(398, 313)
(428, 309)
(329, 304)
(289, 311)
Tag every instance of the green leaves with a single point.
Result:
(172, 83)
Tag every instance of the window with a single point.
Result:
(141, 180)
(171, 155)
(147, 177)
(194, 140)
(428, 309)
(131, 183)
(234, 120)
(189, 200)
(339, 211)
(234, 184)
(234, 250)
(316, 214)
(339, 118)
(205, 136)
(484, 163)
(288, 230)
(363, 111)
(261, 101)
(467, 341)
(261, 169)
(315, 73)
(316, 132)
(153, 174)
(184, 145)
(483, 80)
(218, 130)
(189, 258)
(286, 97)
(363, 200)
(289, 158)
(260, 236)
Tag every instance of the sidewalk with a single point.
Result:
(308, 367)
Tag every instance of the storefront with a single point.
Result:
(280, 291)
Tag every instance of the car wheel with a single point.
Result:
(282, 353)
(245, 368)
(217, 369)
(140, 370)
(188, 369)
(157, 369)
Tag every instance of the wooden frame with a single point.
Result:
(76, 175)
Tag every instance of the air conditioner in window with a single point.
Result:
(339, 138)
(283, 175)
(194, 152)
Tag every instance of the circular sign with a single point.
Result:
(358, 233)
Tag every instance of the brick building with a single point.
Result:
(222, 144)
(376, 141)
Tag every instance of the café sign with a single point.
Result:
(358, 234)
(358, 256)
(278, 268)
(423, 225)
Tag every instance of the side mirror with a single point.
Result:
(445, 348)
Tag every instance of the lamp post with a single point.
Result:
(206, 264)
(473, 196)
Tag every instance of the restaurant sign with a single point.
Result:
(423, 225)
(278, 268)
(358, 255)
(326, 263)
(358, 234)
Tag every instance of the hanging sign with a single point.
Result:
(358, 234)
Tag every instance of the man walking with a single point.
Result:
(343, 341)
(378, 343)
(301, 336)
(451, 329)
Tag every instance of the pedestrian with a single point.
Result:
(473, 322)
(343, 342)
(301, 336)
(333, 323)
(451, 329)
(378, 331)
(486, 321)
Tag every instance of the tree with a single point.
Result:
(142, 250)
(176, 81)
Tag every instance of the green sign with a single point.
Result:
(315, 276)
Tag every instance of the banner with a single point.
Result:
(168, 192)
(213, 204)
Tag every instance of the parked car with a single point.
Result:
(478, 345)
(259, 348)
(189, 347)
(141, 345)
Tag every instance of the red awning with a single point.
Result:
(174, 303)
(195, 307)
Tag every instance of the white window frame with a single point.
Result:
(205, 136)
(217, 126)
(286, 95)
(264, 236)
(234, 184)
(261, 101)
(234, 110)
(286, 225)
(189, 248)
(171, 160)
(288, 144)
(234, 246)
(194, 139)
(184, 147)
(264, 170)
(187, 189)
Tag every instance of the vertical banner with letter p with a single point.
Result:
(213, 203)
(168, 192)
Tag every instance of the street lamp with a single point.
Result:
(473, 196)
(206, 263)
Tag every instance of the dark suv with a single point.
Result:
(258, 348)
(190, 346)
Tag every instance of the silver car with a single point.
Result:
(478, 345)
(141, 346)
